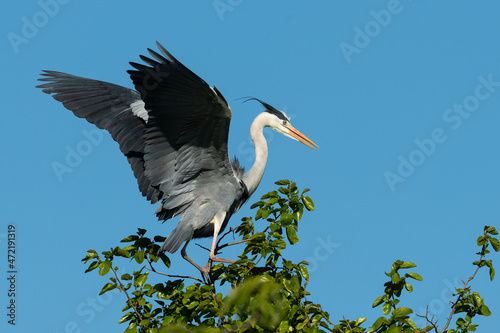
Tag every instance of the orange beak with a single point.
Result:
(294, 133)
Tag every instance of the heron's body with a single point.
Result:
(173, 129)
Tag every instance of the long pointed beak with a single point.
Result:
(294, 133)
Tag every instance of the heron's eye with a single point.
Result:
(285, 123)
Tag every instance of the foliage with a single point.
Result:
(268, 292)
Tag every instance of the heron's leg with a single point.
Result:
(218, 220)
(212, 256)
(184, 255)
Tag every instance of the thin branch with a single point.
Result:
(305, 305)
(219, 247)
(430, 321)
(177, 276)
(338, 327)
(347, 322)
(231, 244)
(231, 230)
(128, 297)
(459, 296)
(152, 269)
(248, 271)
(202, 247)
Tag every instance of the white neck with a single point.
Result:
(253, 177)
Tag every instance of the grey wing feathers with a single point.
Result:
(116, 109)
(238, 169)
(173, 129)
(186, 134)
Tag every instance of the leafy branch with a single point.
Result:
(267, 291)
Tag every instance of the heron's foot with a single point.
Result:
(227, 261)
(217, 259)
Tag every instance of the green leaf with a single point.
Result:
(478, 301)
(104, 267)
(495, 243)
(492, 231)
(395, 329)
(411, 323)
(130, 238)
(270, 195)
(158, 238)
(139, 256)
(378, 301)
(284, 190)
(258, 204)
(308, 203)
(108, 286)
(121, 252)
(378, 323)
(193, 305)
(483, 309)
(492, 273)
(286, 219)
(139, 281)
(408, 287)
(291, 235)
(481, 240)
(126, 317)
(298, 212)
(415, 276)
(359, 321)
(395, 278)
(93, 265)
(282, 182)
(386, 308)
(401, 312)
(127, 277)
(407, 264)
(304, 272)
(91, 255)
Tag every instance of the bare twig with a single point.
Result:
(219, 247)
(231, 230)
(202, 247)
(128, 297)
(176, 276)
(430, 321)
(459, 297)
(453, 309)
(152, 269)
(347, 322)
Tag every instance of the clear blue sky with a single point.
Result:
(403, 98)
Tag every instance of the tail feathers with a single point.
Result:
(175, 239)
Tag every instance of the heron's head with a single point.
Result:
(280, 122)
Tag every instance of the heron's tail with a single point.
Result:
(175, 239)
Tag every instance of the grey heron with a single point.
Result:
(173, 129)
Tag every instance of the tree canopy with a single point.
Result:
(268, 293)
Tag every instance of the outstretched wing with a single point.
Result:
(173, 131)
(186, 132)
(116, 109)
